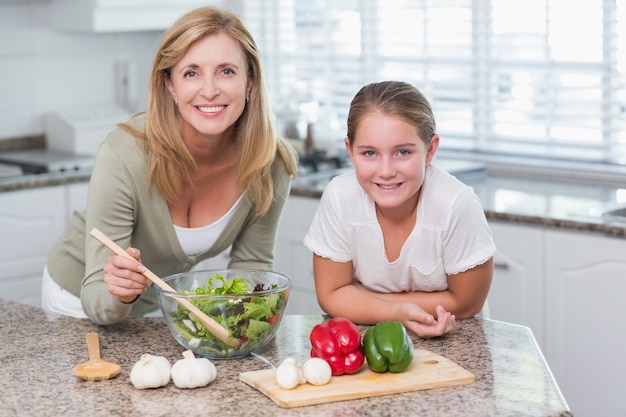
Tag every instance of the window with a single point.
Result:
(523, 77)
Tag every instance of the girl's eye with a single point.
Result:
(369, 154)
(404, 152)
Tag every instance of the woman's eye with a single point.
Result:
(190, 74)
(228, 71)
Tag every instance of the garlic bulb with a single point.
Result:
(192, 372)
(150, 372)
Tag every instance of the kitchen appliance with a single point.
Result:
(82, 130)
(428, 370)
(40, 161)
(7, 170)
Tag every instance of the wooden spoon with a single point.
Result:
(95, 369)
(214, 327)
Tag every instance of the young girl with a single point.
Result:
(399, 238)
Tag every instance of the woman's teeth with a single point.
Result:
(213, 109)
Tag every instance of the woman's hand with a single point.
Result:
(418, 321)
(124, 278)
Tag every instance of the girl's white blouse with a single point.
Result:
(451, 234)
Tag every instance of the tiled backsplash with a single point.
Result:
(43, 70)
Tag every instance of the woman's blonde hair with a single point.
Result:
(169, 162)
(393, 98)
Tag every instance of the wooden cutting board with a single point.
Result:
(428, 370)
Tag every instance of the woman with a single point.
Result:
(399, 238)
(201, 170)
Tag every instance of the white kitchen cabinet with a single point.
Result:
(293, 258)
(568, 287)
(76, 198)
(31, 221)
(516, 294)
(585, 342)
(123, 15)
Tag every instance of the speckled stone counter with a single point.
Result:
(28, 181)
(38, 353)
(525, 199)
(541, 201)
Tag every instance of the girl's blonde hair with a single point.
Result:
(169, 162)
(393, 98)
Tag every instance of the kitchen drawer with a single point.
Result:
(31, 221)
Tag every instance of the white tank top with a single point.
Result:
(196, 240)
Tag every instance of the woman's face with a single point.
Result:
(210, 84)
(390, 160)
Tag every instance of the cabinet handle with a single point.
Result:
(501, 265)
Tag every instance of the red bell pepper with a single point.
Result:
(338, 342)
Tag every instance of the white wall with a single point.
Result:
(42, 70)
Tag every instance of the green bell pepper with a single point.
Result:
(388, 347)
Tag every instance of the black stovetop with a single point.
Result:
(43, 160)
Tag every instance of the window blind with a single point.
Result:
(518, 77)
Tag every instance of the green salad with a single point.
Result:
(250, 318)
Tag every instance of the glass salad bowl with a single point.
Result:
(248, 303)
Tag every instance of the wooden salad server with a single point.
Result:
(95, 369)
(214, 327)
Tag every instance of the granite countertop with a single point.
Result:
(38, 353)
(49, 179)
(564, 203)
(573, 204)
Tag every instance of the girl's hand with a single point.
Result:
(416, 320)
(123, 276)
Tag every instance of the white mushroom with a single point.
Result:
(317, 371)
(289, 375)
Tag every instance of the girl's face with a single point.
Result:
(210, 84)
(390, 160)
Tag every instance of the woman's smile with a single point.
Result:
(210, 109)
